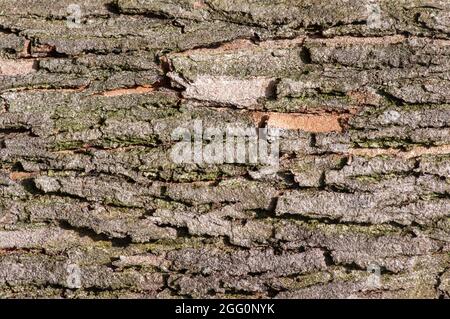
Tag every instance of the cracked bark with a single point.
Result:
(86, 116)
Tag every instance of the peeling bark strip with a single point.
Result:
(92, 204)
(134, 90)
(16, 67)
(17, 176)
(302, 122)
(227, 90)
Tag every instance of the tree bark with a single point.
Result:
(92, 205)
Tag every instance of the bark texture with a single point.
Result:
(87, 183)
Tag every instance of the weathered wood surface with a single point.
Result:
(87, 187)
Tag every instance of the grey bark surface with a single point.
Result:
(86, 178)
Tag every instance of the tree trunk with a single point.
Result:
(93, 202)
